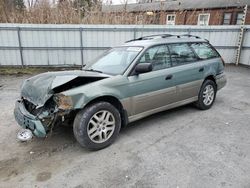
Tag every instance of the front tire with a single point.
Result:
(97, 126)
(207, 95)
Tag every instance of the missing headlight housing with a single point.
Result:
(63, 102)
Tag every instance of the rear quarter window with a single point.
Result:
(204, 50)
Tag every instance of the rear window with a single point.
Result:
(204, 50)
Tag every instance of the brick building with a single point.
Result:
(179, 12)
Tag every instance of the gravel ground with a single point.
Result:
(183, 147)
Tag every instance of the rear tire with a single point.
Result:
(207, 95)
(97, 126)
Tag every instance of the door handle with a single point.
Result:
(168, 77)
(201, 69)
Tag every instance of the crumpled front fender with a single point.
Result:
(83, 95)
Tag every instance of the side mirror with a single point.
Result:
(143, 68)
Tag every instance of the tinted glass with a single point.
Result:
(204, 50)
(158, 56)
(181, 54)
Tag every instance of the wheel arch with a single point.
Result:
(115, 102)
(212, 78)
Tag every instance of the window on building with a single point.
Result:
(203, 19)
(227, 18)
(181, 54)
(239, 19)
(170, 19)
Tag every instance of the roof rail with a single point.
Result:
(150, 37)
(187, 35)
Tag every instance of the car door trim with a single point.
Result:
(163, 108)
(130, 102)
(192, 88)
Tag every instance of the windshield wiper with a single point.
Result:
(92, 70)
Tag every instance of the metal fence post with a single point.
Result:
(20, 45)
(134, 33)
(81, 43)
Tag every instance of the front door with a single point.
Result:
(154, 89)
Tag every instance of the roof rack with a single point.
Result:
(187, 35)
(150, 37)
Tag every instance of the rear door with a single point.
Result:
(209, 58)
(187, 71)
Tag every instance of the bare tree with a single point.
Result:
(32, 3)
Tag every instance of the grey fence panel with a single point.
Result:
(8, 38)
(50, 38)
(10, 57)
(245, 55)
(52, 57)
(70, 45)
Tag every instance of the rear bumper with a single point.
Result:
(221, 81)
(28, 121)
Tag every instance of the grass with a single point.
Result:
(32, 70)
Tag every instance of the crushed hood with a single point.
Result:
(40, 88)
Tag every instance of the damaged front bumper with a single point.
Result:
(28, 121)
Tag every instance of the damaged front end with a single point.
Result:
(41, 120)
(42, 105)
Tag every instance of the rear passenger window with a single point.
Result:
(158, 56)
(204, 50)
(181, 54)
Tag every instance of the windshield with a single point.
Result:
(114, 61)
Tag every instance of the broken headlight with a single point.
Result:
(63, 102)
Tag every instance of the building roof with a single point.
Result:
(175, 5)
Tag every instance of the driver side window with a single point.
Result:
(158, 56)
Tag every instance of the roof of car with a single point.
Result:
(155, 40)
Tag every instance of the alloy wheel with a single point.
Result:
(208, 95)
(101, 126)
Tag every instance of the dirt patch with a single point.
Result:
(43, 176)
(8, 168)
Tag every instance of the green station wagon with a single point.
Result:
(139, 78)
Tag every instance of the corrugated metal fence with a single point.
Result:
(70, 45)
